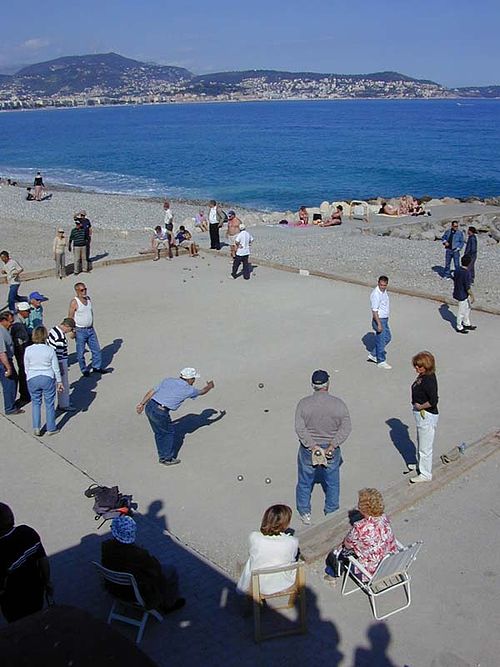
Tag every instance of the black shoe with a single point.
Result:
(102, 371)
(462, 331)
(169, 462)
(86, 374)
(471, 327)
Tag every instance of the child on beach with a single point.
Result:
(59, 249)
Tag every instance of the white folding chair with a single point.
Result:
(294, 592)
(391, 573)
(127, 580)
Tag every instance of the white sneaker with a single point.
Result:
(384, 364)
(419, 478)
(306, 519)
(371, 358)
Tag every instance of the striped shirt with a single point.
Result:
(57, 339)
(78, 237)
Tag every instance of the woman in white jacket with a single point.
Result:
(271, 547)
(44, 379)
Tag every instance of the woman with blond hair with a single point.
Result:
(370, 538)
(424, 399)
(272, 546)
(44, 380)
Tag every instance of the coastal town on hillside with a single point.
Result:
(106, 79)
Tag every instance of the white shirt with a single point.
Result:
(169, 216)
(380, 302)
(12, 269)
(270, 551)
(40, 359)
(83, 313)
(243, 239)
(212, 215)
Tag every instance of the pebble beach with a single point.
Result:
(122, 227)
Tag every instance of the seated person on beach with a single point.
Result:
(29, 195)
(335, 219)
(387, 209)
(158, 584)
(272, 546)
(418, 209)
(371, 537)
(303, 216)
(201, 222)
(184, 239)
(159, 241)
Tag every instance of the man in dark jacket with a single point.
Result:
(158, 584)
(463, 294)
(21, 338)
(471, 250)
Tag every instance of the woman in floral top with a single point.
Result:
(371, 538)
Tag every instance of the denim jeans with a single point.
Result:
(449, 254)
(382, 339)
(241, 259)
(13, 297)
(159, 419)
(9, 388)
(309, 475)
(426, 430)
(42, 385)
(87, 336)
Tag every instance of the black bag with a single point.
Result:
(109, 502)
(336, 560)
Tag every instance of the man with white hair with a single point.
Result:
(242, 241)
(322, 424)
(169, 395)
(21, 337)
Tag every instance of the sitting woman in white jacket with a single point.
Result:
(271, 547)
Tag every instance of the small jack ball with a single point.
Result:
(240, 478)
(261, 385)
(268, 480)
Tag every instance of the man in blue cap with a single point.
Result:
(35, 318)
(158, 584)
(322, 424)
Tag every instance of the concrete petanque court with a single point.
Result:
(154, 318)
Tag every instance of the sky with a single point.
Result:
(453, 42)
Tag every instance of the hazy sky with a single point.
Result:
(454, 42)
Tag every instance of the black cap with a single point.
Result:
(320, 377)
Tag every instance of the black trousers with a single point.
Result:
(214, 236)
(241, 259)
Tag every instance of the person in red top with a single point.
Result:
(371, 538)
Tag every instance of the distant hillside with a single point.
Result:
(107, 71)
(272, 76)
(480, 91)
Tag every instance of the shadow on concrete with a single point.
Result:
(96, 258)
(84, 389)
(447, 315)
(437, 268)
(210, 629)
(375, 655)
(368, 341)
(192, 422)
(400, 436)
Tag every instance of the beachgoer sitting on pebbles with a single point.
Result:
(387, 209)
(185, 240)
(335, 219)
(303, 216)
(159, 241)
(201, 222)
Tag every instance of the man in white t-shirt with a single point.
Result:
(379, 301)
(243, 241)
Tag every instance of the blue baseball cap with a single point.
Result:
(319, 378)
(38, 296)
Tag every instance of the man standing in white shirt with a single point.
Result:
(12, 270)
(216, 218)
(80, 310)
(379, 300)
(242, 241)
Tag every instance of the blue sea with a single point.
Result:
(270, 155)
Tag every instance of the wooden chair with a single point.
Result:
(295, 592)
(391, 573)
(128, 580)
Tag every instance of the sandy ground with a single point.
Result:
(153, 319)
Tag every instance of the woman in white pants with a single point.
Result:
(424, 398)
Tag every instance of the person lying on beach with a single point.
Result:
(303, 216)
(201, 222)
(183, 239)
(387, 209)
(335, 219)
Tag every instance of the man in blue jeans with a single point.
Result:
(80, 310)
(169, 395)
(322, 424)
(379, 301)
(453, 241)
(8, 375)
